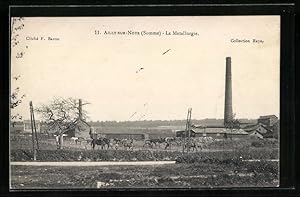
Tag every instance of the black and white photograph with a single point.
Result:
(144, 102)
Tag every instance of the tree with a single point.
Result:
(17, 24)
(62, 114)
(16, 100)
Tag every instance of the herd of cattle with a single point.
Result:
(166, 143)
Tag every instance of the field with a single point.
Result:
(227, 163)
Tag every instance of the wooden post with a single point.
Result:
(32, 132)
(184, 135)
(187, 130)
(61, 141)
(189, 124)
(36, 137)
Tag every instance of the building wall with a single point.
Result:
(221, 135)
(262, 130)
(265, 121)
(181, 133)
(268, 121)
(237, 136)
(70, 133)
(17, 128)
(213, 135)
(256, 134)
(27, 127)
(83, 132)
(157, 135)
(125, 136)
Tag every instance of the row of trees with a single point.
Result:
(155, 123)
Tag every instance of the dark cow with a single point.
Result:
(79, 140)
(128, 144)
(157, 141)
(170, 141)
(154, 142)
(148, 143)
(101, 142)
(193, 145)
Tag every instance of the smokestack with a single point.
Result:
(228, 116)
(80, 109)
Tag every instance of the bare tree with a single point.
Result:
(62, 114)
(15, 100)
(17, 24)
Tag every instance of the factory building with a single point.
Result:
(228, 115)
(25, 126)
(215, 132)
(184, 133)
(266, 127)
(268, 120)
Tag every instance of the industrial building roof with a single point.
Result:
(220, 130)
(255, 127)
(268, 116)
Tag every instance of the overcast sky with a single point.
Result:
(104, 69)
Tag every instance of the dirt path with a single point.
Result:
(91, 163)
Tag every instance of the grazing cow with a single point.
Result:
(114, 143)
(122, 141)
(148, 143)
(200, 145)
(89, 141)
(190, 145)
(117, 141)
(77, 139)
(170, 141)
(128, 144)
(101, 141)
(154, 142)
(157, 141)
(168, 144)
(74, 139)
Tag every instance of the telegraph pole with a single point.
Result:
(189, 127)
(187, 130)
(32, 132)
(36, 137)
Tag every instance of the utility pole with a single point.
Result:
(189, 123)
(189, 127)
(32, 130)
(36, 137)
(187, 130)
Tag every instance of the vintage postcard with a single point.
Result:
(144, 102)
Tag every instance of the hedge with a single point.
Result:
(94, 155)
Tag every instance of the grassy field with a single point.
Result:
(220, 164)
(171, 176)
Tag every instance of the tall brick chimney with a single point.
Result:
(228, 116)
(80, 109)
